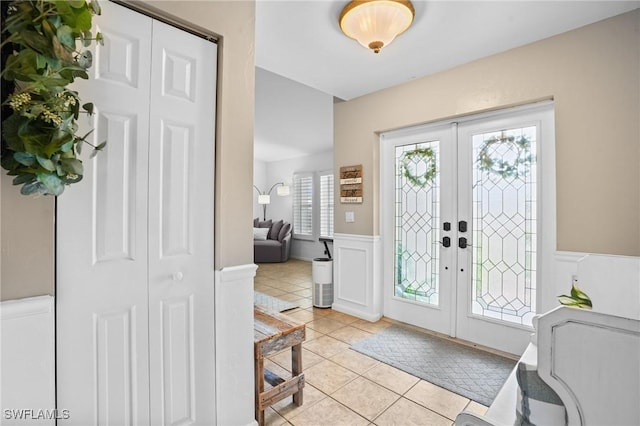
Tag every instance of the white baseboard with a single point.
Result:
(234, 345)
(27, 352)
(355, 312)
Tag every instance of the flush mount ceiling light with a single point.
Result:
(375, 23)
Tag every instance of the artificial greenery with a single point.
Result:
(501, 167)
(427, 155)
(577, 298)
(40, 144)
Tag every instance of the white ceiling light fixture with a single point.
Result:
(375, 23)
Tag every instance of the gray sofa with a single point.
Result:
(277, 246)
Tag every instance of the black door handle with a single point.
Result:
(462, 242)
(446, 242)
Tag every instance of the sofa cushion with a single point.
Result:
(265, 224)
(274, 231)
(256, 221)
(537, 404)
(284, 231)
(260, 233)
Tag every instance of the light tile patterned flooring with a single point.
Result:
(344, 387)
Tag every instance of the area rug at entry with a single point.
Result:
(272, 303)
(470, 372)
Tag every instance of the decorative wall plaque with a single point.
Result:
(351, 184)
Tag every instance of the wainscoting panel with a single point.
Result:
(356, 275)
(612, 282)
(234, 345)
(28, 363)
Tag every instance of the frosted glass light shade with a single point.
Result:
(375, 23)
(282, 190)
(264, 199)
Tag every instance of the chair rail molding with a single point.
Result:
(234, 345)
(357, 275)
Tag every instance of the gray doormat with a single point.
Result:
(272, 303)
(470, 372)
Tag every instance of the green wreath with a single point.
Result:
(500, 167)
(427, 155)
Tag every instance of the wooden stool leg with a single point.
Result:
(259, 372)
(296, 368)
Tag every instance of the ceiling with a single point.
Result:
(301, 40)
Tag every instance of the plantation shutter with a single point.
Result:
(326, 204)
(303, 205)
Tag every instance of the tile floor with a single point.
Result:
(344, 387)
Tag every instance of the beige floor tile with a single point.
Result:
(310, 396)
(303, 315)
(325, 325)
(321, 312)
(476, 408)
(275, 292)
(328, 376)
(289, 297)
(342, 317)
(349, 334)
(391, 378)
(371, 327)
(283, 359)
(292, 288)
(271, 418)
(325, 346)
(354, 361)
(328, 412)
(408, 413)
(304, 292)
(312, 334)
(435, 398)
(365, 397)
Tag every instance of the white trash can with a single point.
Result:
(322, 273)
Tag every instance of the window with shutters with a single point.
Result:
(303, 205)
(326, 204)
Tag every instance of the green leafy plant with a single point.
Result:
(427, 155)
(577, 298)
(501, 167)
(40, 144)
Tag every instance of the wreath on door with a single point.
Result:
(498, 165)
(426, 155)
(43, 46)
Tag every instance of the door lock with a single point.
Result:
(447, 226)
(462, 226)
(462, 242)
(446, 242)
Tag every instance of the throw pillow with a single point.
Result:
(265, 224)
(538, 404)
(274, 231)
(284, 231)
(260, 233)
(256, 221)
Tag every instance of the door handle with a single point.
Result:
(446, 242)
(462, 242)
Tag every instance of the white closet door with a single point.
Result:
(101, 290)
(181, 188)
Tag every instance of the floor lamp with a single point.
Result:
(264, 197)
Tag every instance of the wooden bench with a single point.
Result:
(274, 332)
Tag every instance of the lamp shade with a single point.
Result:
(375, 23)
(264, 199)
(282, 190)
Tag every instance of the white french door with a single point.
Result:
(135, 273)
(465, 249)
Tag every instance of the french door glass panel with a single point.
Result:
(503, 274)
(417, 222)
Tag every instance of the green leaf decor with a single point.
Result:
(46, 41)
